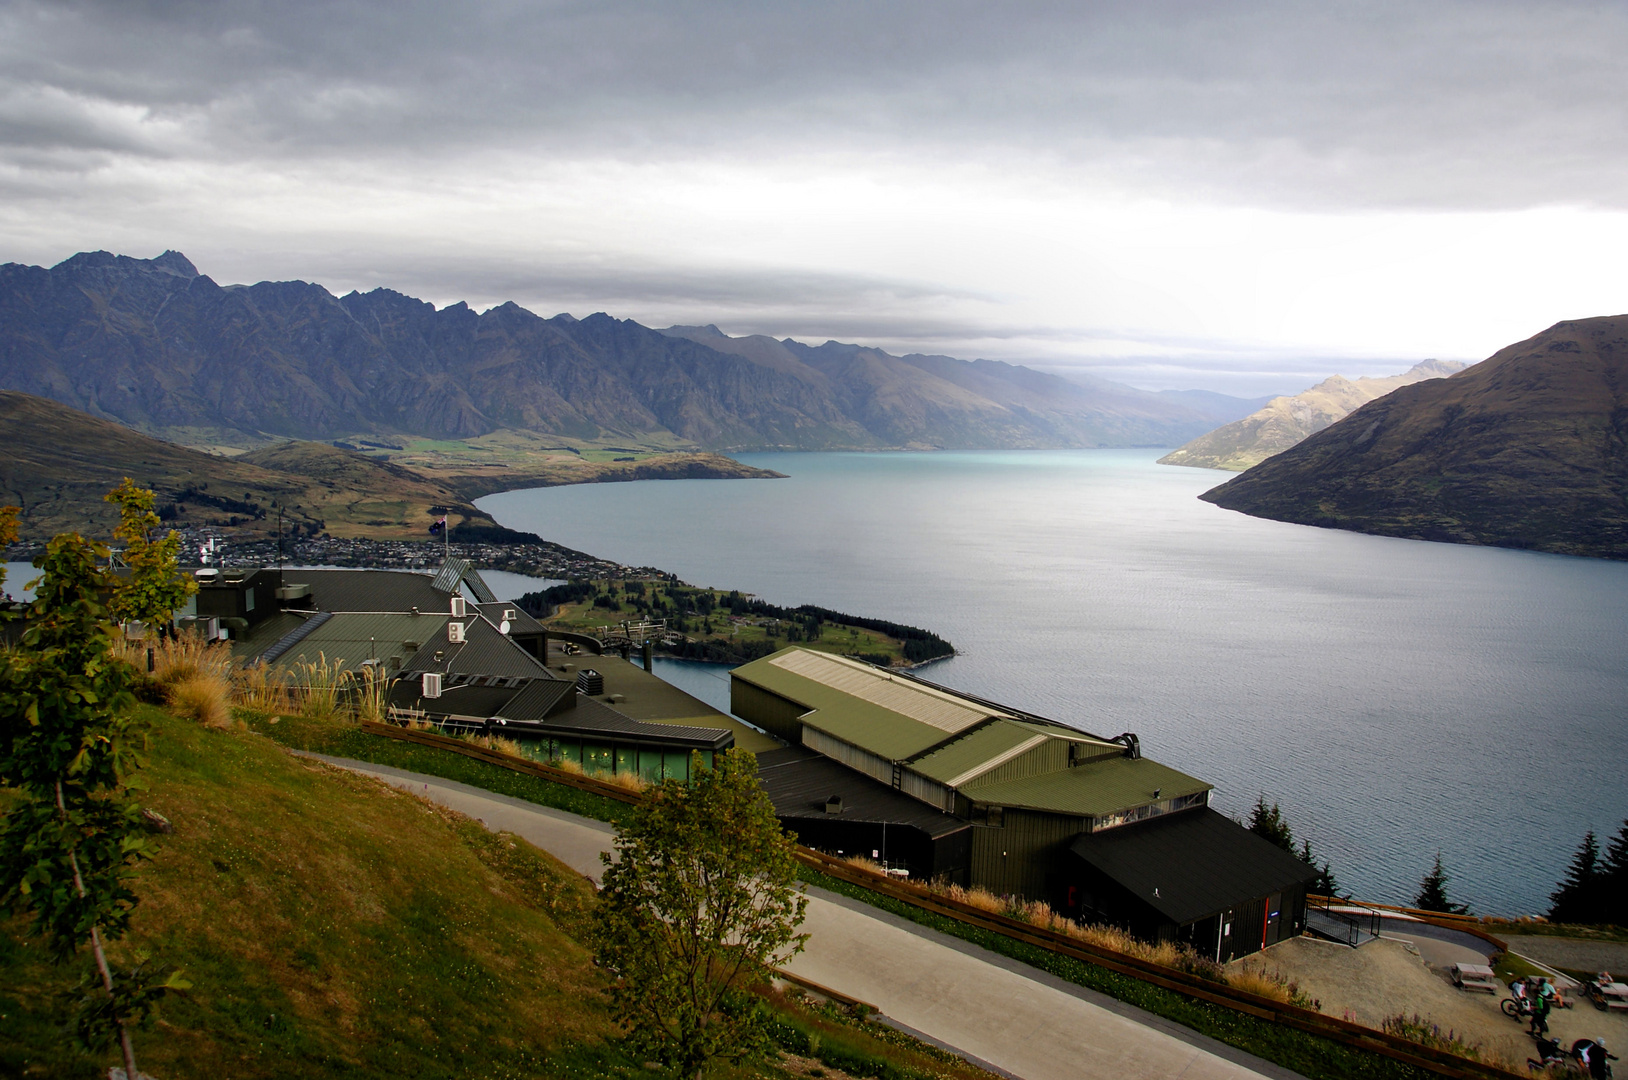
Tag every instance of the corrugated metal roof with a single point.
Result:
(1192, 865)
(1097, 787)
(973, 749)
(452, 571)
(353, 637)
(293, 637)
(368, 590)
(799, 781)
(540, 699)
(480, 592)
(922, 703)
(483, 651)
(522, 623)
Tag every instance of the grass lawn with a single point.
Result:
(333, 926)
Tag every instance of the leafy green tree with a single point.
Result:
(153, 589)
(68, 743)
(8, 531)
(1267, 823)
(1432, 894)
(698, 905)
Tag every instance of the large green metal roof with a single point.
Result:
(892, 718)
(978, 747)
(1097, 787)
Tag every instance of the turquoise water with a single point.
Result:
(1396, 697)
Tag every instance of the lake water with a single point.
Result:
(1396, 697)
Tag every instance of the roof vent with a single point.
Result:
(1133, 745)
(431, 687)
(207, 575)
(590, 682)
(455, 632)
(833, 805)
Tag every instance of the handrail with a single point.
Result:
(1341, 1031)
(1445, 920)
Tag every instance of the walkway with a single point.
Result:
(1002, 1014)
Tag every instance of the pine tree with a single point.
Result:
(1577, 898)
(1267, 823)
(1324, 885)
(1433, 893)
(1613, 881)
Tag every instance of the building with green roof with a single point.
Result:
(1028, 785)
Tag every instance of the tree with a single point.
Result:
(68, 743)
(1576, 900)
(8, 531)
(1613, 886)
(1324, 885)
(153, 590)
(1267, 823)
(698, 905)
(1433, 893)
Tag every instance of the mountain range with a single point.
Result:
(1528, 448)
(1285, 421)
(159, 347)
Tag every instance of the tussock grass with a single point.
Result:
(317, 685)
(203, 696)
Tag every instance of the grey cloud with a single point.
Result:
(1456, 103)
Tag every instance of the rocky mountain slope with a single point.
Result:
(157, 346)
(1526, 449)
(1285, 421)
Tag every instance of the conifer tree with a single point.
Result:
(1433, 893)
(1577, 900)
(1613, 881)
(1267, 823)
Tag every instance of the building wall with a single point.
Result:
(771, 712)
(1022, 855)
(878, 768)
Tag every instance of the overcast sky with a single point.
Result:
(1240, 197)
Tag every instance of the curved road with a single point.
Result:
(1003, 1015)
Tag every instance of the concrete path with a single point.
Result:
(1001, 1014)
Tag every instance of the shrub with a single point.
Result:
(204, 697)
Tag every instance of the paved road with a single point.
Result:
(1002, 1014)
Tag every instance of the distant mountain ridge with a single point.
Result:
(1284, 421)
(157, 346)
(1528, 448)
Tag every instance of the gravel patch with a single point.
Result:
(1574, 953)
(1384, 978)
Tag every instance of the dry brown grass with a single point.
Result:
(263, 688)
(203, 696)
(178, 658)
(499, 743)
(628, 781)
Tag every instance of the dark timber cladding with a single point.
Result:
(1197, 877)
(1045, 804)
(834, 809)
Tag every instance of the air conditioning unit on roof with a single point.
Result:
(431, 687)
(455, 632)
(460, 607)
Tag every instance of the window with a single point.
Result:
(992, 816)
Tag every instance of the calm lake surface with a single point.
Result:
(1396, 697)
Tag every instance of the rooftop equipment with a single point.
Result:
(431, 686)
(455, 632)
(460, 607)
(590, 682)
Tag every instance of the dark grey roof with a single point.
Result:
(484, 651)
(294, 636)
(522, 623)
(798, 782)
(368, 590)
(462, 700)
(479, 591)
(541, 699)
(591, 717)
(1199, 862)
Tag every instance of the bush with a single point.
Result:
(204, 697)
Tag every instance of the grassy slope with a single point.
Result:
(333, 926)
(59, 462)
(1307, 1054)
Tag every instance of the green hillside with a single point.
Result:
(332, 926)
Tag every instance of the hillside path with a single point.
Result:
(999, 1013)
